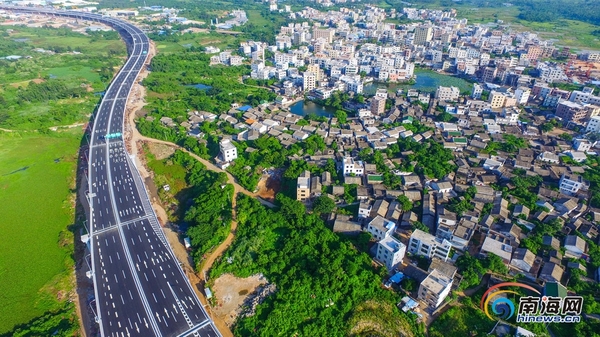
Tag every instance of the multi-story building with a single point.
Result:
(582, 144)
(303, 186)
(378, 105)
(309, 81)
(593, 125)
(497, 99)
(573, 112)
(423, 34)
(447, 93)
(522, 95)
(351, 166)
(425, 244)
(489, 74)
(228, 150)
(390, 252)
(477, 91)
(570, 184)
(315, 69)
(326, 34)
(434, 289)
(380, 228)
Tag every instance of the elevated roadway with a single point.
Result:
(140, 288)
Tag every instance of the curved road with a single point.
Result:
(140, 289)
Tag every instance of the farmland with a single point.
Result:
(36, 178)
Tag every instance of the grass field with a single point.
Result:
(35, 203)
(219, 40)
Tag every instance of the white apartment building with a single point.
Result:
(447, 93)
(583, 97)
(351, 166)
(434, 289)
(425, 244)
(390, 252)
(477, 91)
(228, 150)
(380, 228)
(593, 125)
(309, 81)
(570, 184)
(522, 95)
(581, 144)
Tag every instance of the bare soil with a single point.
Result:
(161, 151)
(269, 185)
(230, 293)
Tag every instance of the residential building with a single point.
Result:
(522, 260)
(497, 247)
(423, 34)
(326, 34)
(434, 289)
(570, 184)
(380, 228)
(425, 244)
(447, 93)
(390, 252)
(303, 186)
(497, 99)
(477, 91)
(575, 246)
(582, 145)
(378, 105)
(352, 167)
(228, 150)
(309, 81)
(593, 125)
(522, 95)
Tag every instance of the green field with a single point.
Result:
(36, 178)
(219, 40)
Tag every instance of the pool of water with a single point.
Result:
(303, 108)
(427, 80)
(199, 86)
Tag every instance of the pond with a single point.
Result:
(427, 80)
(199, 86)
(303, 108)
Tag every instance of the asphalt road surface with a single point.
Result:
(140, 289)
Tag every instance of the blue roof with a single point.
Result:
(397, 277)
(245, 108)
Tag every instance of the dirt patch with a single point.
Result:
(270, 184)
(230, 293)
(161, 151)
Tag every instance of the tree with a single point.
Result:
(341, 116)
(323, 204)
(445, 117)
(495, 264)
(566, 136)
(405, 203)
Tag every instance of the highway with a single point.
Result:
(140, 288)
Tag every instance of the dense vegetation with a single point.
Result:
(311, 267)
(204, 198)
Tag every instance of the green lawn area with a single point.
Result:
(35, 204)
(219, 40)
(74, 72)
(255, 18)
